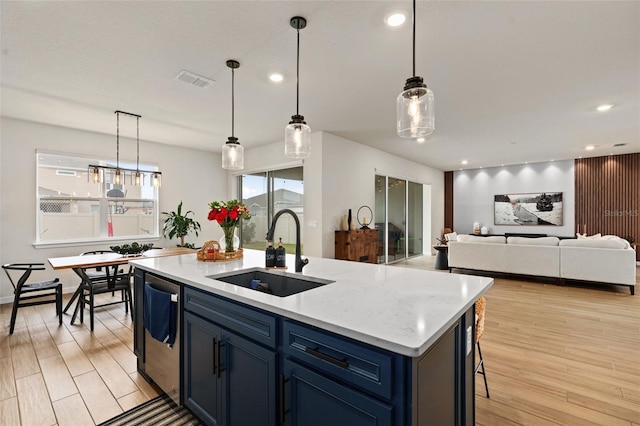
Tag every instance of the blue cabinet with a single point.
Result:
(311, 398)
(227, 378)
(241, 365)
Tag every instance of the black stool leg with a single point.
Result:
(481, 364)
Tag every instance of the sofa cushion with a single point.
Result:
(476, 239)
(544, 241)
(616, 238)
(590, 237)
(608, 244)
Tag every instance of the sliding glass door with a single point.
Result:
(399, 218)
(266, 193)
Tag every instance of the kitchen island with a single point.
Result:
(378, 345)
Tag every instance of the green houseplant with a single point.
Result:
(180, 225)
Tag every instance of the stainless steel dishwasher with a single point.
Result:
(162, 362)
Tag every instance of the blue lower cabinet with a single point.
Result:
(228, 380)
(311, 399)
(202, 388)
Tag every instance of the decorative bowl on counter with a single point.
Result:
(133, 249)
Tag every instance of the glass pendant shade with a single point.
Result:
(118, 177)
(137, 179)
(232, 155)
(157, 179)
(415, 112)
(297, 140)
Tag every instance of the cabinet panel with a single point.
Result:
(367, 368)
(248, 374)
(436, 384)
(312, 399)
(138, 323)
(246, 321)
(202, 389)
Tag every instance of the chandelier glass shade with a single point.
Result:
(297, 134)
(119, 175)
(232, 151)
(415, 105)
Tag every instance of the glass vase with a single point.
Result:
(230, 242)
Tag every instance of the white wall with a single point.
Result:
(193, 176)
(338, 176)
(474, 190)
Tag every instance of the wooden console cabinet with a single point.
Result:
(359, 246)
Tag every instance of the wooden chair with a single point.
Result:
(24, 294)
(480, 310)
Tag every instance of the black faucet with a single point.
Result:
(300, 262)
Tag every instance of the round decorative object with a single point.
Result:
(364, 217)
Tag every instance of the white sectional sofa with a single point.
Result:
(605, 260)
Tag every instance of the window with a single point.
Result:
(73, 209)
(266, 193)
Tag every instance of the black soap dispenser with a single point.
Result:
(281, 261)
(270, 256)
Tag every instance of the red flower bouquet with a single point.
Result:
(228, 215)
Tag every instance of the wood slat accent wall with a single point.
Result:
(448, 200)
(607, 196)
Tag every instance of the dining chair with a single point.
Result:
(31, 294)
(481, 305)
(115, 279)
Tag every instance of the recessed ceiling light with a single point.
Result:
(420, 140)
(605, 107)
(589, 147)
(276, 77)
(463, 162)
(526, 162)
(395, 19)
(551, 160)
(502, 165)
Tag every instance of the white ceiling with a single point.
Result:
(514, 81)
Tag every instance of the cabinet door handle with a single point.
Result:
(283, 405)
(218, 359)
(335, 361)
(213, 353)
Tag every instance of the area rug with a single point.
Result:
(158, 411)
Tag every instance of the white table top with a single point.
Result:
(399, 309)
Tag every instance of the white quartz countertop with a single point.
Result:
(399, 309)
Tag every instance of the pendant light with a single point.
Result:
(297, 135)
(232, 151)
(98, 173)
(414, 106)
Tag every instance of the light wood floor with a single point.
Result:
(558, 355)
(565, 355)
(51, 375)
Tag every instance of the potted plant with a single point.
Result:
(180, 225)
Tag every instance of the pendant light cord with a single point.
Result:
(117, 139)
(233, 108)
(137, 143)
(414, 38)
(298, 73)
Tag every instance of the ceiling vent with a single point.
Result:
(619, 144)
(194, 79)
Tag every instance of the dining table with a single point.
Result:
(110, 261)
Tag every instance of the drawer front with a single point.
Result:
(255, 325)
(342, 358)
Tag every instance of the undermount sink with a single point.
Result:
(278, 283)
